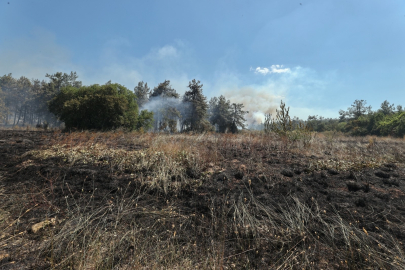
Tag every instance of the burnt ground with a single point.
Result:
(369, 201)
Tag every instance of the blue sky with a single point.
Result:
(316, 55)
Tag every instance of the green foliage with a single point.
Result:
(378, 123)
(357, 109)
(164, 90)
(393, 125)
(145, 120)
(226, 116)
(282, 124)
(195, 119)
(142, 92)
(237, 117)
(98, 107)
(293, 130)
(27, 100)
(387, 108)
(220, 114)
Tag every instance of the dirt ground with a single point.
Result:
(367, 200)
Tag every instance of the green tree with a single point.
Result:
(98, 107)
(59, 80)
(282, 124)
(10, 95)
(220, 113)
(164, 90)
(357, 109)
(392, 124)
(237, 117)
(24, 98)
(142, 92)
(51, 88)
(387, 108)
(195, 118)
(165, 107)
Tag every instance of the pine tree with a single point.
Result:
(166, 113)
(387, 108)
(195, 119)
(226, 116)
(142, 92)
(9, 87)
(164, 90)
(237, 117)
(220, 114)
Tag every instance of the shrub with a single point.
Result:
(293, 130)
(98, 107)
(393, 124)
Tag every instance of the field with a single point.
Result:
(117, 200)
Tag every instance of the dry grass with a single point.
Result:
(137, 229)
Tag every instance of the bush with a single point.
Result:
(104, 107)
(285, 127)
(393, 124)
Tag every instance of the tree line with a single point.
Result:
(360, 120)
(63, 99)
(25, 102)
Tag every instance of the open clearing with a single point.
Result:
(120, 200)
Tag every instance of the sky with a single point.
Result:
(318, 56)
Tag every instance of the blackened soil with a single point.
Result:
(374, 199)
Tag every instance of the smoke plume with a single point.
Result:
(258, 103)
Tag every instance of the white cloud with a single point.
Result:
(272, 69)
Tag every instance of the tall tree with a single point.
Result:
(142, 92)
(220, 114)
(165, 107)
(56, 82)
(357, 109)
(164, 90)
(387, 108)
(60, 80)
(24, 96)
(237, 117)
(195, 118)
(9, 86)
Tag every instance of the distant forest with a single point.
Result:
(63, 100)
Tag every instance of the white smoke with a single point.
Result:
(257, 102)
(158, 104)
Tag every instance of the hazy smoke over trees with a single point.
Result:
(192, 112)
(26, 101)
(257, 104)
